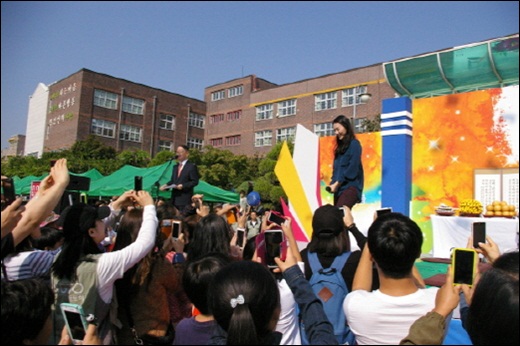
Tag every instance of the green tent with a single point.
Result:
(153, 177)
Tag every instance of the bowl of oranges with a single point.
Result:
(500, 209)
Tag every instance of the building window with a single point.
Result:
(325, 101)
(234, 140)
(286, 134)
(216, 142)
(263, 138)
(167, 122)
(235, 91)
(105, 99)
(132, 105)
(234, 116)
(218, 95)
(165, 145)
(324, 129)
(195, 143)
(103, 128)
(348, 95)
(216, 118)
(196, 120)
(264, 112)
(287, 107)
(130, 133)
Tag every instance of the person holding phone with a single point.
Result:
(185, 176)
(347, 170)
(492, 317)
(81, 262)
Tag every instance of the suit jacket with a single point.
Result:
(189, 178)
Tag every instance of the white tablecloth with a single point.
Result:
(454, 231)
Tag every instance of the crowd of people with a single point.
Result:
(204, 286)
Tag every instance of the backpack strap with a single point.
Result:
(337, 264)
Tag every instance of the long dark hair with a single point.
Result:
(211, 234)
(343, 144)
(76, 245)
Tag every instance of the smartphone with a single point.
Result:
(176, 228)
(138, 183)
(9, 194)
(464, 264)
(53, 162)
(342, 211)
(75, 321)
(275, 218)
(479, 233)
(231, 216)
(166, 227)
(271, 244)
(383, 211)
(240, 237)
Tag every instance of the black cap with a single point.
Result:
(327, 221)
(79, 218)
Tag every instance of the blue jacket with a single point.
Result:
(348, 169)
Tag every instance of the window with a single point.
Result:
(234, 116)
(105, 99)
(347, 95)
(286, 134)
(196, 120)
(287, 107)
(264, 112)
(130, 133)
(263, 138)
(216, 118)
(165, 145)
(195, 143)
(234, 140)
(103, 128)
(358, 125)
(324, 130)
(218, 95)
(216, 142)
(235, 91)
(167, 122)
(325, 101)
(134, 106)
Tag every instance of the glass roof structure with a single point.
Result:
(483, 65)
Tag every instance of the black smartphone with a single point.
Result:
(176, 229)
(383, 211)
(342, 211)
(273, 246)
(138, 183)
(479, 233)
(464, 263)
(53, 162)
(275, 218)
(240, 237)
(9, 194)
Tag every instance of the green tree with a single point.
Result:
(137, 158)
(372, 125)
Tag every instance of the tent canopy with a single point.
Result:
(123, 180)
(491, 64)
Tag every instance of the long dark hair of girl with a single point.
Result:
(343, 144)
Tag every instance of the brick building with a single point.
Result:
(250, 115)
(123, 114)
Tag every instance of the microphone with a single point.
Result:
(328, 189)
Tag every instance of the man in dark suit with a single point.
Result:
(185, 176)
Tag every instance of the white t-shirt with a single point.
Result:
(380, 319)
(288, 324)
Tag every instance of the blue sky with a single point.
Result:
(184, 46)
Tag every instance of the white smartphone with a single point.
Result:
(383, 211)
(176, 229)
(75, 321)
(240, 237)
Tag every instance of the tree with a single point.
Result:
(137, 158)
(372, 125)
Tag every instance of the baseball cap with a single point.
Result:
(327, 221)
(79, 218)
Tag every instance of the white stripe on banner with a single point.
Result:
(396, 132)
(407, 123)
(305, 157)
(396, 115)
